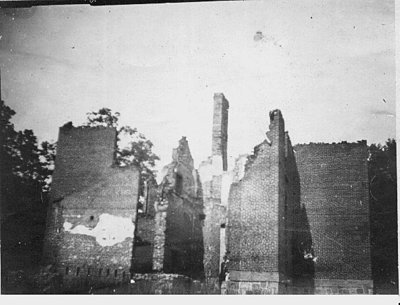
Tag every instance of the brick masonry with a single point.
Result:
(298, 220)
(183, 249)
(159, 235)
(255, 230)
(157, 283)
(89, 236)
(262, 286)
(212, 173)
(220, 128)
(145, 235)
(329, 286)
(334, 194)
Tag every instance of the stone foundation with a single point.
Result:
(157, 283)
(333, 286)
(234, 287)
(273, 283)
(324, 286)
(241, 282)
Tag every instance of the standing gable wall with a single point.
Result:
(257, 240)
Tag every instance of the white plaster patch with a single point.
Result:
(240, 166)
(205, 171)
(226, 182)
(109, 231)
(217, 165)
(161, 175)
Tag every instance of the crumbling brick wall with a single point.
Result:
(145, 233)
(183, 248)
(91, 218)
(215, 182)
(257, 238)
(334, 193)
(215, 219)
(183, 238)
(214, 222)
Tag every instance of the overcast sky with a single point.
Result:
(328, 65)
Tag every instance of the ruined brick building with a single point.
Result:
(290, 219)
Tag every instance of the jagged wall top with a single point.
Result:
(182, 154)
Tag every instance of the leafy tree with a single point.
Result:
(383, 200)
(25, 171)
(133, 147)
(23, 161)
(8, 134)
(47, 154)
(19, 165)
(104, 117)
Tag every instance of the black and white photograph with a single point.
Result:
(198, 148)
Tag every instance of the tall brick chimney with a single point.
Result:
(220, 130)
